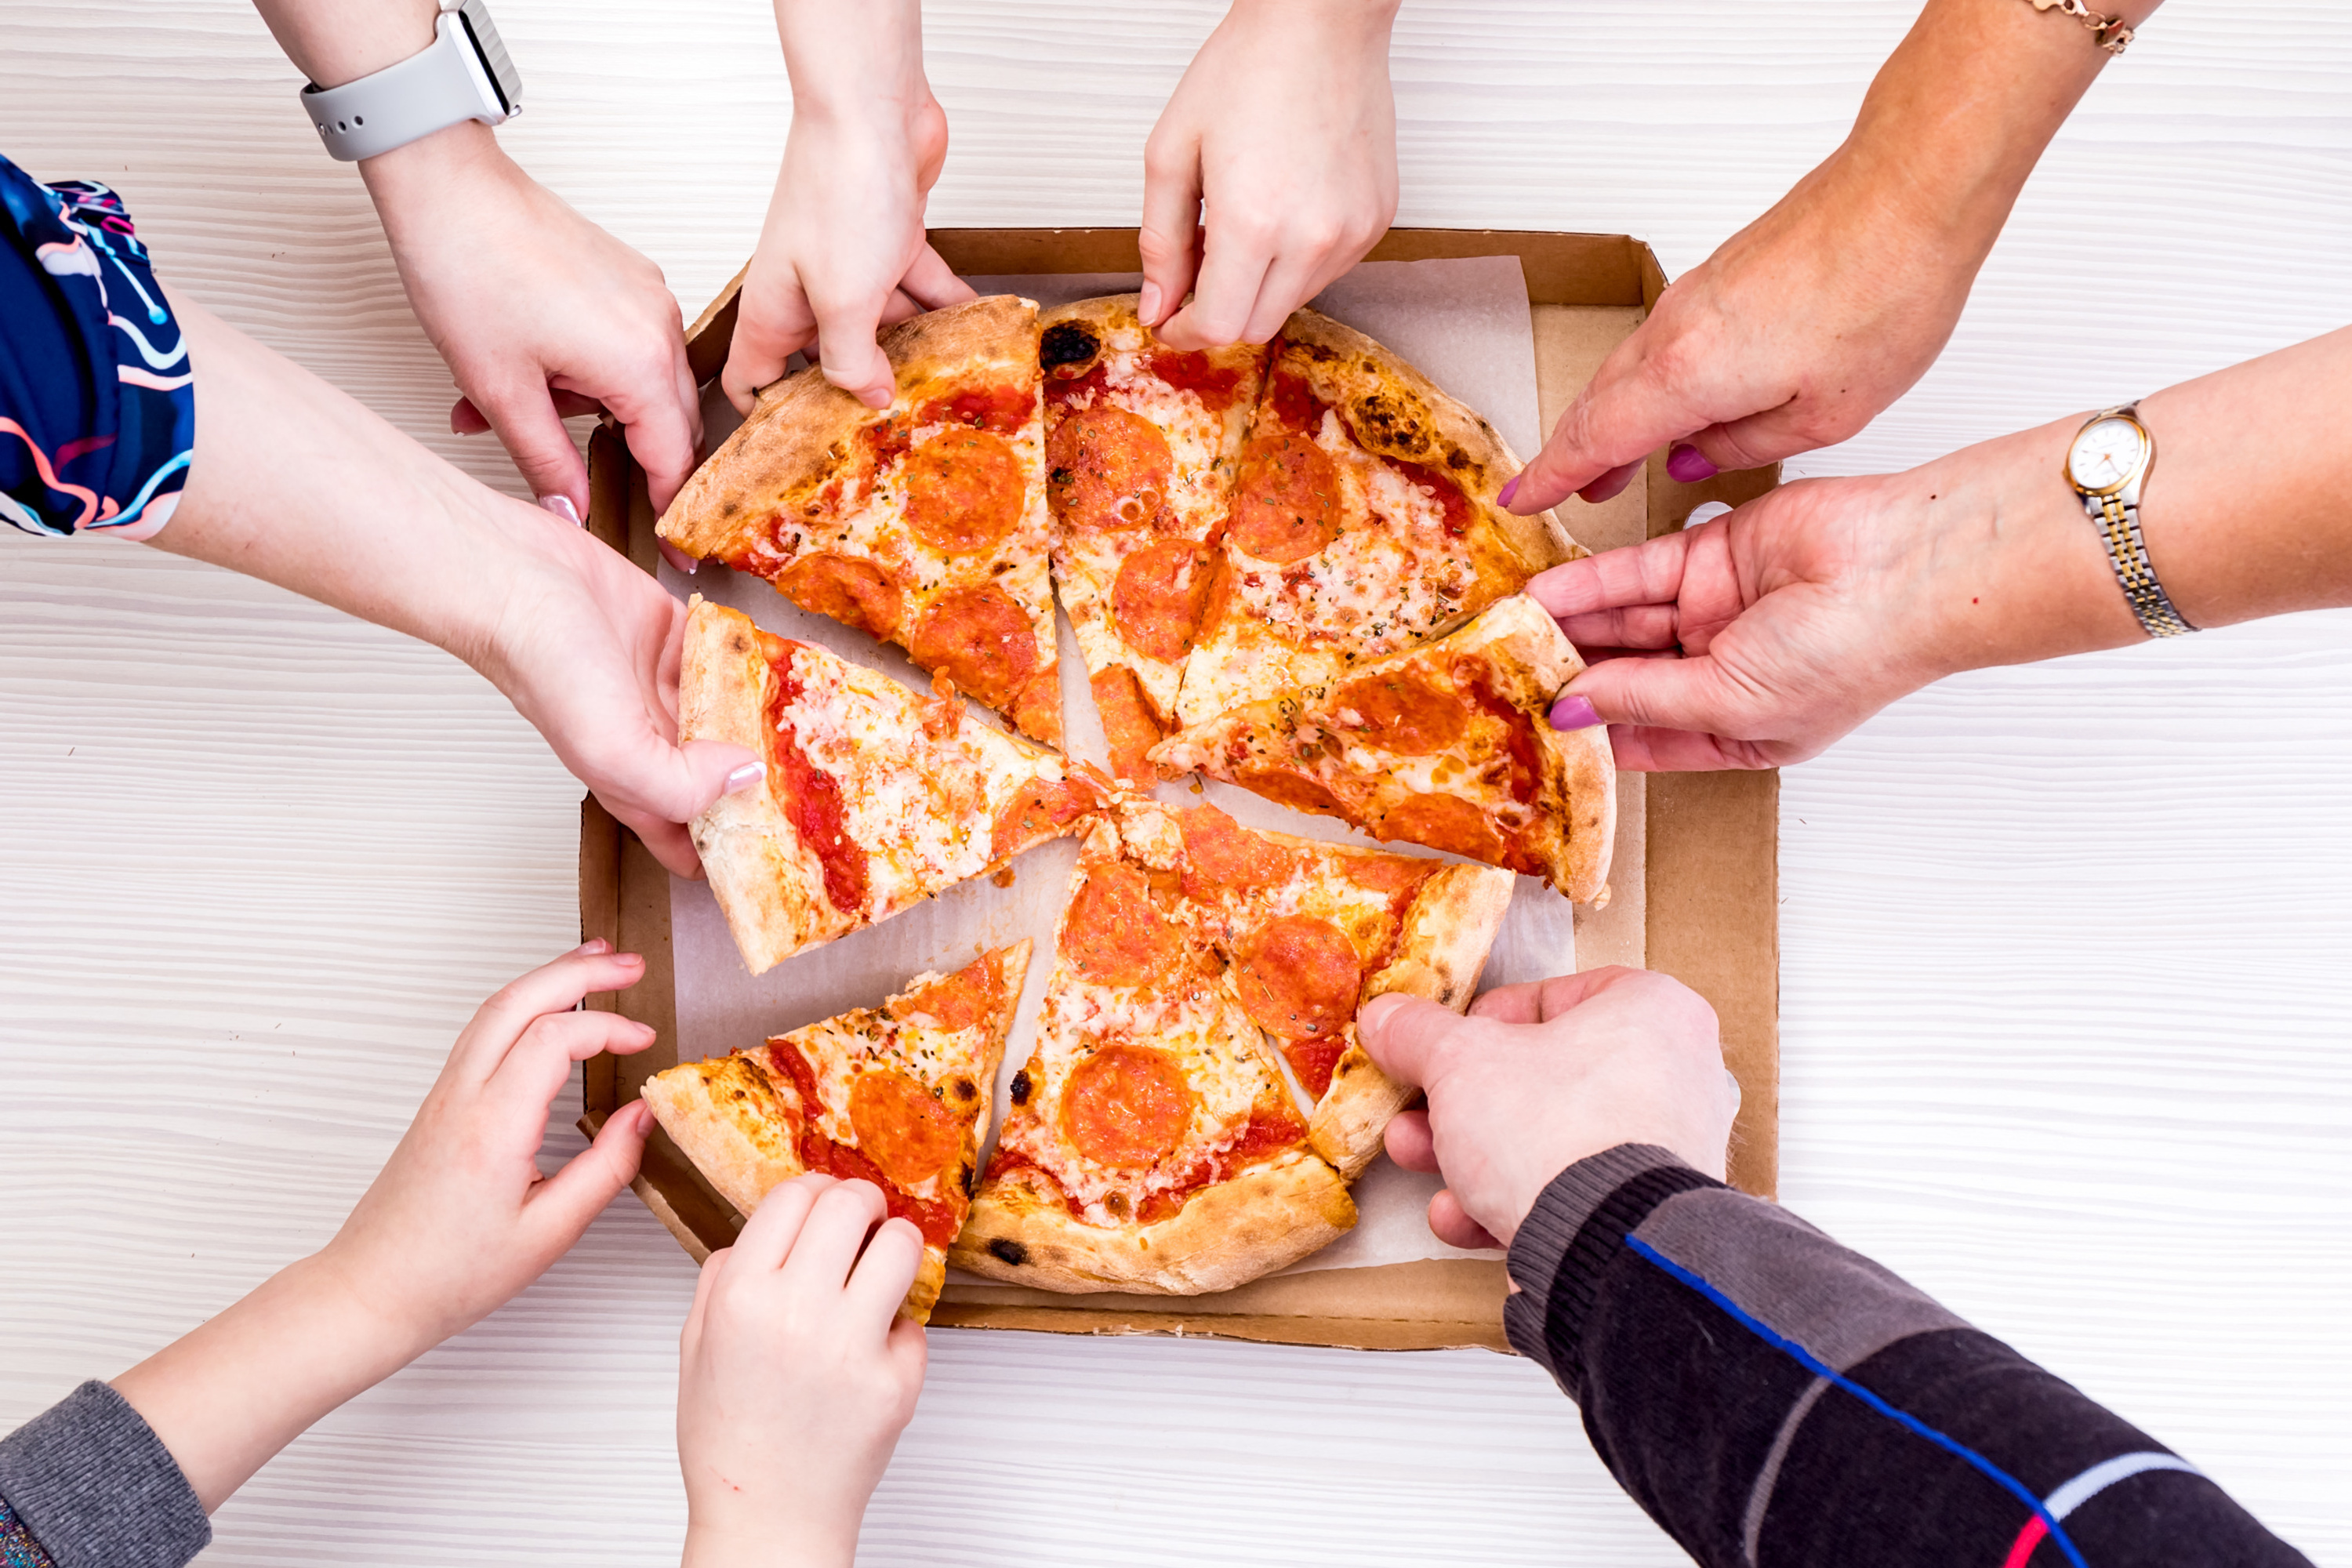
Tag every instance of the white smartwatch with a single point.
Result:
(464, 74)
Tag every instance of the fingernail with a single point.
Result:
(1573, 713)
(875, 397)
(1510, 488)
(679, 559)
(562, 506)
(745, 776)
(1148, 307)
(1687, 465)
(594, 944)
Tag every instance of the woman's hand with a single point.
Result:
(797, 1375)
(540, 313)
(1542, 1074)
(1284, 129)
(843, 252)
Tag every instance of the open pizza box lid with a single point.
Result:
(1693, 887)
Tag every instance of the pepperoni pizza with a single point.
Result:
(876, 798)
(898, 1095)
(1141, 442)
(1154, 1143)
(924, 524)
(1445, 745)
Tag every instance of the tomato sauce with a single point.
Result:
(1003, 409)
(1473, 676)
(1268, 1132)
(939, 1219)
(1212, 383)
(812, 797)
(1295, 403)
(1459, 512)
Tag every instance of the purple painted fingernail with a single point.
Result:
(1510, 488)
(1687, 465)
(1573, 713)
(562, 506)
(745, 776)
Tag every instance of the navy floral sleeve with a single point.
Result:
(98, 415)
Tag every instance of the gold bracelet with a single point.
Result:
(2113, 35)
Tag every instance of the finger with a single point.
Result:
(885, 1273)
(465, 419)
(1611, 485)
(820, 1260)
(1642, 749)
(909, 1346)
(1288, 284)
(1535, 1001)
(562, 1207)
(768, 1238)
(662, 413)
(1650, 572)
(1453, 1226)
(1671, 694)
(1624, 416)
(1170, 238)
(1410, 1142)
(1770, 435)
(555, 987)
(524, 415)
(773, 323)
(539, 1062)
(847, 351)
(1232, 269)
(689, 1338)
(931, 283)
(1403, 1034)
(1637, 628)
(648, 782)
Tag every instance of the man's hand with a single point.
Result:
(797, 1375)
(540, 313)
(460, 1219)
(843, 252)
(1284, 129)
(1542, 1074)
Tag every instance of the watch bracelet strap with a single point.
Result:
(2119, 524)
(430, 91)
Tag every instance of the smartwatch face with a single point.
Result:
(2106, 454)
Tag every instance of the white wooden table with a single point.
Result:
(2067, 950)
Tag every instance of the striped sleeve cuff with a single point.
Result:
(96, 1486)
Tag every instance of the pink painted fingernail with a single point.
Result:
(594, 944)
(678, 558)
(1573, 713)
(1510, 488)
(562, 506)
(1687, 465)
(745, 776)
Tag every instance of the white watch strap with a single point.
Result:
(433, 89)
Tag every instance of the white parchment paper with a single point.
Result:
(1466, 324)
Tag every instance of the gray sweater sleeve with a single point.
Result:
(97, 1488)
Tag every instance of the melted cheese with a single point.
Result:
(838, 1049)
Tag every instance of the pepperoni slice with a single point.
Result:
(1004, 409)
(1037, 706)
(1286, 501)
(1296, 791)
(1444, 822)
(1220, 854)
(1115, 931)
(1299, 977)
(1045, 805)
(1106, 468)
(811, 797)
(1130, 724)
(1313, 1061)
(854, 592)
(1157, 600)
(981, 640)
(901, 1127)
(964, 491)
(971, 996)
(1389, 874)
(1401, 712)
(1127, 1106)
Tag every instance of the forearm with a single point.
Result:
(228, 1395)
(1773, 1398)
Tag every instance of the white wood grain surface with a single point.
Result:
(2067, 950)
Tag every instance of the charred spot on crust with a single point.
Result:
(970, 1180)
(1020, 1086)
(1455, 458)
(964, 1089)
(1378, 419)
(1007, 1250)
(1066, 344)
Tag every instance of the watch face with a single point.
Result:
(2106, 454)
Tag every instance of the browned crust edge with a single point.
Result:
(719, 1111)
(1267, 1217)
(1521, 635)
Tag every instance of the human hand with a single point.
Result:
(1284, 127)
(540, 313)
(460, 1219)
(1756, 640)
(1542, 1074)
(796, 1374)
(844, 252)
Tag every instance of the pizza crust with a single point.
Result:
(732, 1122)
(1227, 1234)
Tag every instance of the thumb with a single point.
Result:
(854, 363)
(1668, 694)
(562, 1205)
(1403, 1035)
(534, 436)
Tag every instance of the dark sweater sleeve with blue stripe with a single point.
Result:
(1773, 1399)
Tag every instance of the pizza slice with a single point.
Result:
(923, 523)
(896, 1095)
(1363, 522)
(1446, 745)
(877, 797)
(1141, 442)
(1311, 932)
(1153, 1144)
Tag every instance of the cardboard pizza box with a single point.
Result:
(1695, 886)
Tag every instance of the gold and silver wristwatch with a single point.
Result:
(2107, 462)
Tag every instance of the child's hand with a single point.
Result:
(460, 1219)
(797, 1375)
(1285, 130)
